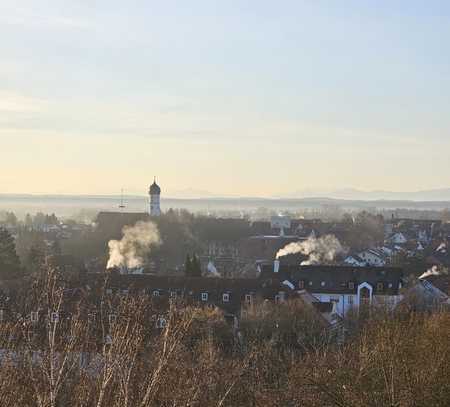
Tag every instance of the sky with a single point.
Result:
(243, 98)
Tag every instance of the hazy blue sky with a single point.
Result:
(233, 97)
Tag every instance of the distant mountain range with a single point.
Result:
(351, 194)
(442, 194)
(435, 195)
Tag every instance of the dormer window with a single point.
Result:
(248, 298)
(225, 297)
(155, 293)
(204, 296)
(301, 284)
(322, 283)
(380, 286)
(390, 285)
(351, 285)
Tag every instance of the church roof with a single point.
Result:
(154, 189)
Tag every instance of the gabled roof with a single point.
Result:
(336, 279)
(441, 282)
(188, 288)
(141, 281)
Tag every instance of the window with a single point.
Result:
(350, 300)
(364, 293)
(225, 297)
(380, 286)
(161, 323)
(248, 298)
(301, 284)
(351, 285)
(34, 316)
(155, 293)
(390, 285)
(173, 294)
(277, 299)
(322, 283)
(124, 292)
(204, 296)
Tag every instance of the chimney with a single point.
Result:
(276, 266)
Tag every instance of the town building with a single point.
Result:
(342, 287)
(348, 287)
(428, 294)
(155, 199)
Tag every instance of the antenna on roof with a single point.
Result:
(122, 205)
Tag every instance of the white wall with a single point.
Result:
(345, 303)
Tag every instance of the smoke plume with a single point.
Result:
(319, 251)
(136, 242)
(434, 271)
(212, 271)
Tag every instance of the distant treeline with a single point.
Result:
(80, 206)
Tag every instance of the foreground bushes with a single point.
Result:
(280, 358)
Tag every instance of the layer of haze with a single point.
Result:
(253, 98)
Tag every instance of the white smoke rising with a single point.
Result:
(212, 270)
(319, 251)
(434, 271)
(136, 242)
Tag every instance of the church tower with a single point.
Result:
(155, 194)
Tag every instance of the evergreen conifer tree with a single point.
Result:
(188, 266)
(196, 269)
(9, 261)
